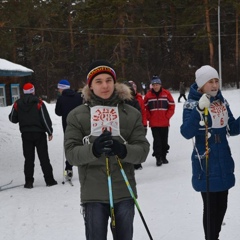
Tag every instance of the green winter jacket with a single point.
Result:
(92, 170)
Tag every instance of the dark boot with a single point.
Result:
(158, 161)
(51, 182)
(164, 160)
(28, 184)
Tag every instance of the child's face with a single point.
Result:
(211, 87)
(103, 85)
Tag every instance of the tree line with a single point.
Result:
(141, 38)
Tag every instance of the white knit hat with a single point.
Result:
(204, 74)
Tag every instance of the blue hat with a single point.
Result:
(63, 84)
(156, 80)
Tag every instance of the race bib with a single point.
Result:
(102, 118)
(219, 114)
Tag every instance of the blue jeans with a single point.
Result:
(96, 217)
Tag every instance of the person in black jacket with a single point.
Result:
(68, 99)
(182, 91)
(34, 121)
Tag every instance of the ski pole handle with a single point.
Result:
(205, 112)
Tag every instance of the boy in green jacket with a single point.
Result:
(99, 133)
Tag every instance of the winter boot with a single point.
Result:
(28, 184)
(158, 161)
(164, 160)
(51, 182)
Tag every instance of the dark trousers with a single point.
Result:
(182, 95)
(96, 216)
(218, 206)
(160, 141)
(68, 166)
(38, 140)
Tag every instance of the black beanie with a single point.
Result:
(98, 67)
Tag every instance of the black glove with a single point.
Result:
(118, 149)
(102, 144)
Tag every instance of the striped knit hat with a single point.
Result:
(98, 67)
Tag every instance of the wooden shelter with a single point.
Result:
(10, 81)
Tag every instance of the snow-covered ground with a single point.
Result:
(171, 208)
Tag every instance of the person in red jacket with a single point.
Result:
(160, 107)
(138, 96)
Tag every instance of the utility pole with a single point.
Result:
(219, 47)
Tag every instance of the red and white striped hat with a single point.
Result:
(28, 88)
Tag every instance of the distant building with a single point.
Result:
(10, 81)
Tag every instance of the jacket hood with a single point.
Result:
(122, 91)
(68, 92)
(194, 94)
(28, 102)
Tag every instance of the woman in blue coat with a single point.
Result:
(205, 94)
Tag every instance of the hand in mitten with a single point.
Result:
(118, 149)
(102, 144)
(203, 102)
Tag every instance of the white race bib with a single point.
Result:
(219, 114)
(103, 117)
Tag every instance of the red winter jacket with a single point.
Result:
(138, 97)
(159, 107)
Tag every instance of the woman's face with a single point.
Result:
(211, 87)
(103, 85)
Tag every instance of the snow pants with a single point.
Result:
(218, 207)
(182, 95)
(160, 141)
(96, 216)
(38, 140)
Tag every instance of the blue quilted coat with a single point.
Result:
(221, 124)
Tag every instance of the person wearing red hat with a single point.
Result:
(34, 121)
(100, 134)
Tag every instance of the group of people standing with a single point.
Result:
(105, 138)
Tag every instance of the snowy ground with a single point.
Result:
(171, 208)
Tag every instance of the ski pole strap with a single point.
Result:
(133, 196)
(113, 222)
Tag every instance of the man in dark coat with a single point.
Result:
(34, 121)
(182, 91)
(68, 99)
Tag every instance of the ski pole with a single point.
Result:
(207, 173)
(113, 222)
(133, 196)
